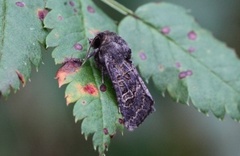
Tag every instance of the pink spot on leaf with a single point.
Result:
(191, 49)
(165, 30)
(90, 9)
(105, 131)
(20, 4)
(42, 13)
(182, 75)
(142, 56)
(185, 74)
(78, 46)
(192, 35)
(60, 18)
(189, 72)
(178, 64)
(71, 3)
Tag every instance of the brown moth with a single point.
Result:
(113, 57)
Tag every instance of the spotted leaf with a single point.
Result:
(21, 33)
(73, 23)
(184, 59)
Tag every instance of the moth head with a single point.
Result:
(102, 38)
(96, 42)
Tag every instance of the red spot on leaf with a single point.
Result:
(21, 77)
(42, 13)
(71, 66)
(90, 89)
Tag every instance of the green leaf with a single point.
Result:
(179, 56)
(21, 33)
(72, 24)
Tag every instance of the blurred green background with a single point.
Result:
(36, 121)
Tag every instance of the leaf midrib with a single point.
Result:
(4, 8)
(100, 96)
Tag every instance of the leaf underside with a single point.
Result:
(182, 58)
(72, 24)
(21, 33)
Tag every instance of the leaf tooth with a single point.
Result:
(95, 147)
(86, 137)
(163, 94)
(220, 119)
(177, 100)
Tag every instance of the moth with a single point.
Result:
(113, 57)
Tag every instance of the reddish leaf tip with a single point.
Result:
(21, 77)
(71, 66)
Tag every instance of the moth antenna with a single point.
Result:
(88, 52)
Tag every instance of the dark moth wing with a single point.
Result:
(134, 99)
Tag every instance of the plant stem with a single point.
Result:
(119, 7)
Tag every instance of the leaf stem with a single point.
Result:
(119, 7)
